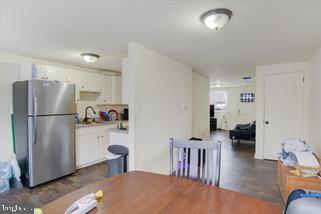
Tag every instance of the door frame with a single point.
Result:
(261, 71)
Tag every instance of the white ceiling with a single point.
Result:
(260, 32)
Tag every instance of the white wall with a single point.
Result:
(200, 109)
(315, 100)
(235, 111)
(159, 87)
(9, 73)
(273, 69)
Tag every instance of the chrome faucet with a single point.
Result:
(86, 113)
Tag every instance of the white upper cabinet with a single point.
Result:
(112, 89)
(25, 72)
(92, 82)
(107, 93)
(56, 73)
(87, 81)
(46, 72)
(107, 87)
(125, 81)
(116, 90)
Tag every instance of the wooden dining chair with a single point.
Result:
(197, 160)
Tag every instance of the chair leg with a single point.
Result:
(238, 142)
(232, 142)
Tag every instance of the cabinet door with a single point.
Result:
(108, 87)
(87, 146)
(74, 77)
(86, 81)
(56, 73)
(91, 82)
(104, 141)
(25, 71)
(116, 90)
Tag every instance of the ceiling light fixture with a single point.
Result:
(90, 57)
(217, 85)
(217, 18)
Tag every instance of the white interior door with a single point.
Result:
(283, 110)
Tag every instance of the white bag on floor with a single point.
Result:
(15, 167)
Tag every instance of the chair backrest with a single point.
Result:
(198, 160)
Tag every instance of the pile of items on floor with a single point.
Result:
(9, 175)
(298, 154)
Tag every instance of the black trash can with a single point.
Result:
(117, 160)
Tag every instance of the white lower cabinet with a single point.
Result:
(105, 139)
(104, 131)
(91, 145)
(87, 146)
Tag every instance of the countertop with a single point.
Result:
(119, 131)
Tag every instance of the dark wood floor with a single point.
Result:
(240, 172)
(46, 193)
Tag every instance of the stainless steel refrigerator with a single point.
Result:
(44, 127)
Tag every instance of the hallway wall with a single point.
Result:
(235, 111)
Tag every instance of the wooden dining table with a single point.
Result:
(143, 192)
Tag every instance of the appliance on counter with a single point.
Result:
(44, 124)
(125, 116)
(213, 120)
(212, 111)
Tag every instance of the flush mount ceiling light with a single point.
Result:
(90, 57)
(217, 18)
(217, 85)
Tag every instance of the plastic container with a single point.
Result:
(5, 175)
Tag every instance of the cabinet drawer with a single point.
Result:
(88, 131)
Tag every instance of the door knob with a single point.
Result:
(266, 122)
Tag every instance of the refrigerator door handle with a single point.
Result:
(35, 107)
(34, 134)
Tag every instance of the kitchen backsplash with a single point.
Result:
(81, 106)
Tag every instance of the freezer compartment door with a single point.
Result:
(52, 147)
(50, 97)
